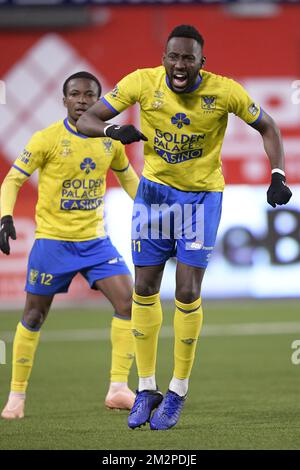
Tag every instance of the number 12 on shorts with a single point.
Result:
(46, 279)
(136, 245)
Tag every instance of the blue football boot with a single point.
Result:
(168, 412)
(145, 402)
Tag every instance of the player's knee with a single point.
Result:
(124, 307)
(34, 318)
(187, 295)
(144, 290)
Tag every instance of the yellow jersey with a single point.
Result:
(72, 180)
(185, 131)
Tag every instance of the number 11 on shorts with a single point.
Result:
(136, 245)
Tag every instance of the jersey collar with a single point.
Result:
(197, 84)
(73, 129)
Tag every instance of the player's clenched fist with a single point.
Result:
(126, 134)
(278, 192)
(7, 230)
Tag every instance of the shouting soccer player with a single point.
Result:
(184, 112)
(70, 236)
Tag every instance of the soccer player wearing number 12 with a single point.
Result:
(70, 236)
(184, 113)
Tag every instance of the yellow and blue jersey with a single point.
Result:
(72, 180)
(185, 131)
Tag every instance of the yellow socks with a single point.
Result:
(24, 347)
(122, 348)
(146, 323)
(187, 326)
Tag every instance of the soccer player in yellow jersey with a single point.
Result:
(184, 112)
(70, 236)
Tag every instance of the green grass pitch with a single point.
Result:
(244, 389)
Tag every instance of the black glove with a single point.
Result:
(126, 134)
(278, 192)
(7, 230)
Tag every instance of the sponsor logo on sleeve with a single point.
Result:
(114, 93)
(25, 156)
(253, 109)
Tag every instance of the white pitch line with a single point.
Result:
(233, 329)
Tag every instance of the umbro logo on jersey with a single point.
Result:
(158, 94)
(66, 148)
(157, 104)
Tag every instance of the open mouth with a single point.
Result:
(180, 80)
(81, 110)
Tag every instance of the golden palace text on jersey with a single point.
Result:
(185, 131)
(72, 180)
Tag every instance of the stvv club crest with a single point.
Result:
(208, 102)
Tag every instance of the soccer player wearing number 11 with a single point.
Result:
(70, 236)
(184, 112)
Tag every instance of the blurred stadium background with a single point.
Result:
(257, 43)
(258, 252)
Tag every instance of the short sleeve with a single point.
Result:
(125, 93)
(33, 155)
(241, 104)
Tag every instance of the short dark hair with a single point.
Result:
(82, 74)
(186, 31)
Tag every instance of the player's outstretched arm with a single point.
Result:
(278, 193)
(93, 124)
(9, 191)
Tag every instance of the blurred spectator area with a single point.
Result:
(43, 14)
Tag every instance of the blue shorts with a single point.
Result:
(52, 264)
(168, 222)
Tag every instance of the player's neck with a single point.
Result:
(71, 121)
